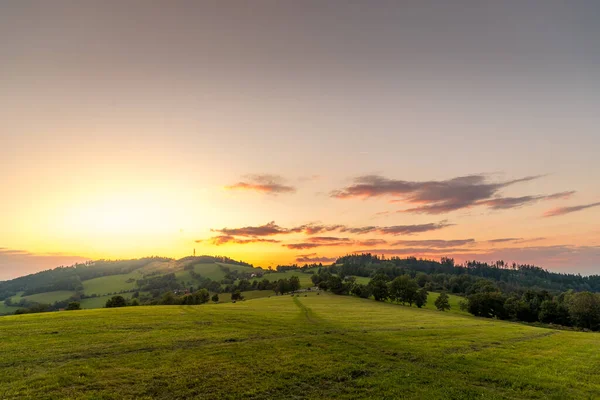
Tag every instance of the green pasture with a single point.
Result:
(314, 347)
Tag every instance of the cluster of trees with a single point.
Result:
(509, 277)
(578, 309)
(336, 284)
(402, 289)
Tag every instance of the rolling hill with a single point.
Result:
(95, 282)
(313, 347)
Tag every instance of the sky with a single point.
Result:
(278, 132)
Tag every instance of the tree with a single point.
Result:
(215, 298)
(202, 296)
(422, 279)
(442, 303)
(168, 298)
(553, 312)
(74, 305)
(487, 304)
(404, 290)
(584, 309)
(236, 295)
(360, 290)
(283, 286)
(244, 285)
(294, 283)
(379, 288)
(117, 301)
(421, 297)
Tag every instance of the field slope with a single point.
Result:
(290, 347)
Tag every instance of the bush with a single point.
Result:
(74, 305)
(442, 303)
(116, 301)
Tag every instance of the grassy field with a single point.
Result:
(48, 297)
(111, 283)
(100, 301)
(452, 299)
(7, 310)
(304, 278)
(209, 270)
(314, 347)
(250, 295)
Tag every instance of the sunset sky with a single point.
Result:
(279, 132)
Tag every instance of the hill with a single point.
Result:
(93, 283)
(315, 347)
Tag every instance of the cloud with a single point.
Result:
(272, 229)
(263, 230)
(228, 239)
(313, 229)
(313, 258)
(329, 239)
(435, 243)
(325, 241)
(270, 184)
(312, 245)
(504, 240)
(555, 212)
(15, 263)
(438, 197)
(412, 251)
(370, 242)
(503, 203)
(398, 229)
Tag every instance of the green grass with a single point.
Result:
(305, 281)
(314, 347)
(454, 301)
(362, 280)
(111, 283)
(16, 298)
(249, 295)
(50, 297)
(100, 301)
(6, 309)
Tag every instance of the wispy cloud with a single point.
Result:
(434, 243)
(398, 229)
(555, 212)
(439, 197)
(269, 184)
(503, 240)
(272, 229)
(262, 230)
(228, 239)
(328, 241)
(503, 203)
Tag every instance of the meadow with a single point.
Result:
(305, 281)
(315, 347)
(112, 283)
